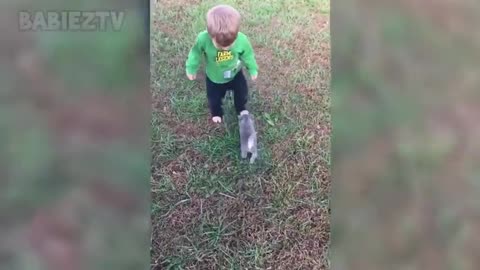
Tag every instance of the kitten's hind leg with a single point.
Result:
(243, 151)
(253, 157)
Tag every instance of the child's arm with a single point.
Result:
(248, 57)
(193, 60)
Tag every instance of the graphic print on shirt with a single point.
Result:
(223, 56)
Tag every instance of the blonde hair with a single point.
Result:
(223, 24)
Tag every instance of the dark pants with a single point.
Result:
(216, 92)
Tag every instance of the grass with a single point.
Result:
(211, 209)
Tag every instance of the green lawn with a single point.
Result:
(212, 210)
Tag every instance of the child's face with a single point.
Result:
(220, 47)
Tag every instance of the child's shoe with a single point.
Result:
(217, 119)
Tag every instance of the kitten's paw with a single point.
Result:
(253, 158)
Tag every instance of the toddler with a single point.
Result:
(226, 51)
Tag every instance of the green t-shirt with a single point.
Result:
(222, 65)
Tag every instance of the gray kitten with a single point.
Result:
(248, 135)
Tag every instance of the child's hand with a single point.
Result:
(192, 77)
(254, 77)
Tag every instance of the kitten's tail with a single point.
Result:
(251, 141)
